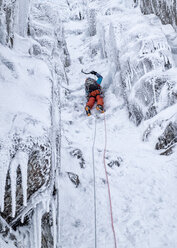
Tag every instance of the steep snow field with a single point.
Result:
(143, 187)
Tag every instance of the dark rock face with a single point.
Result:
(168, 139)
(114, 162)
(47, 238)
(165, 11)
(7, 234)
(36, 50)
(74, 178)
(78, 154)
(135, 114)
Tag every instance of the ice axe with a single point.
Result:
(85, 72)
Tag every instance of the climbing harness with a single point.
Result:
(107, 180)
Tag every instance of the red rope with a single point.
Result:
(109, 192)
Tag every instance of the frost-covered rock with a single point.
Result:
(164, 9)
(30, 74)
(91, 18)
(145, 57)
(13, 19)
(48, 36)
(147, 78)
(168, 139)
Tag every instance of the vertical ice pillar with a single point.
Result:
(91, 17)
(22, 17)
(2, 24)
(20, 159)
(113, 50)
(4, 165)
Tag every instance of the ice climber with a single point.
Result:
(94, 93)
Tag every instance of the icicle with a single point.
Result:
(4, 165)
(22, 218)
(37, 221)
(54, 225)
(22, 19)
(34, 230)
(13, 177)
(153, 86)
(47, 205)
(144, 67)
(23, 160)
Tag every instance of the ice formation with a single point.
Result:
(20, 159)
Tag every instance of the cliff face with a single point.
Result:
(166, 10)
(142, 55)
(33, 58)
(164, 97)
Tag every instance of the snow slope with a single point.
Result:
(143, 186)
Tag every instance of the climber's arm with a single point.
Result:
(100, 78)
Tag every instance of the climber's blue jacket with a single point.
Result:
(100, 78)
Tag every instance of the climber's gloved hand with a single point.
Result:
(93, 72)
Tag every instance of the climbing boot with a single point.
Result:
(100, 108)
(87, 109)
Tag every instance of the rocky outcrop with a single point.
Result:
(164, 9)
(142, 64)
(168, 139)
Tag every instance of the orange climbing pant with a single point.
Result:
(95, 96)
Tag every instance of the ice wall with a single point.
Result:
(13, 19)
(142, 58)
(21, 16)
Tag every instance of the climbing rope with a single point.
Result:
(107, 180)
(109, 192)
(94, 183)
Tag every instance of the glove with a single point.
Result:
(93, 72)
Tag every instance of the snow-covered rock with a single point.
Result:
(30, 74)
(165, 10)
(142, 62)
